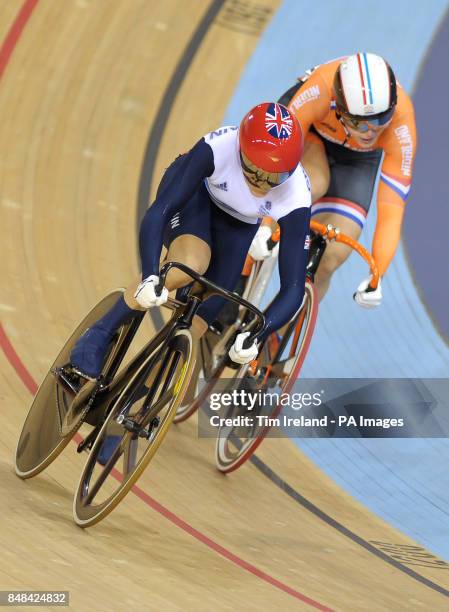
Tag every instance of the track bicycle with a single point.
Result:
(133, 404)
(280, 358)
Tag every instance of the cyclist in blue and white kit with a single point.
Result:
(207, 212)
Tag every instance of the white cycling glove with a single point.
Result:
(240, 355)
(146, 294)
(259, 248)
(370, 298)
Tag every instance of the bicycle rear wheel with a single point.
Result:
(137, 424)
(51, 421)
(236, 445)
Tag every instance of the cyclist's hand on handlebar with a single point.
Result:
(367, 297)
(241, 355)
(146, 295)
(259, 247)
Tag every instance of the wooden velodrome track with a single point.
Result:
(82, 138)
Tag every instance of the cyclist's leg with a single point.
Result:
(190, 250)
(188, 240)
(336, 253)
(230, 242)
(345, 204)
(187, 249)
(195, 253)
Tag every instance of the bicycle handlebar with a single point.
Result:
(214, 289)
(332, 233)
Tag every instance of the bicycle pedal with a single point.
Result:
(81, 375)
(68, 379)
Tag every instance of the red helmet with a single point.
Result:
(271, 138)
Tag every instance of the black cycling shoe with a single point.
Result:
(89, 353)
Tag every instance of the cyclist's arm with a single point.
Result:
(394, 187)
(194, 167)
(387, 234)
(293, 254)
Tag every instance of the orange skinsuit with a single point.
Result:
(314, 104)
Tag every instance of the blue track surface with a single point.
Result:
(406, 482)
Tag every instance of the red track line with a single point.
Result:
(24, 375)
(224, 552)
(31, 385)
(14, 33)
(16, 363)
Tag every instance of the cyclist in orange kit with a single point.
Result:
(359, 122)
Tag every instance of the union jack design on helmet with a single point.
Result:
(278, 121)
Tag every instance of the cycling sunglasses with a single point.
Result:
(273, 179)
(362, 125)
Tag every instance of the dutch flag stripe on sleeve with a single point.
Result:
(399, 187)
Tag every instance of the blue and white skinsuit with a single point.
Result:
(204, 193)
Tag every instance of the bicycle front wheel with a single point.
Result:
(134, 429)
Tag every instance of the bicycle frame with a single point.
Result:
(108, 390)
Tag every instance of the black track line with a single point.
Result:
(308, 505)
(162, 117)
